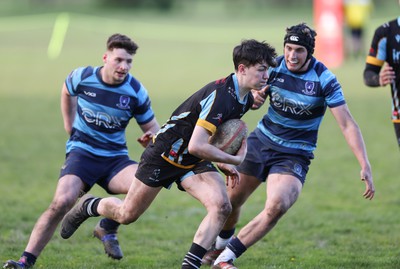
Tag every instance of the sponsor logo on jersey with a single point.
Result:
(90, 94)
(396, 56)
(155, 176)
(397, 38)
(395, 52)
(232, 92)
(290, 105)
(102, 119)
(124, 102)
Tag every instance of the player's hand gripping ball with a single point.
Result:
(229, 136)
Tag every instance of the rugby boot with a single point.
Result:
(110, 241)
(75, 217)
(211, 255)
(10, 264)
(225, 265)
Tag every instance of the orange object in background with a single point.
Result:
(328, 20)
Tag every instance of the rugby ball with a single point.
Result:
(229, 136)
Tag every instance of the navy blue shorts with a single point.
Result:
(261, 161)
(93, 169)
(154, 171)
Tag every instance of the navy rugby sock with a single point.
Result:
(109, 224)
(225, 234)
(236, 246)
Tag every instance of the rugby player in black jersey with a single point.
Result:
(180, 153)
(383, 65)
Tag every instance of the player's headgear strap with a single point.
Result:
(301, 35)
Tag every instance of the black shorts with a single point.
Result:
(357, 32)
(397, 131)
(93, 169)
(261, 161)
(154, 171)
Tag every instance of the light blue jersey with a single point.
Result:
(298, 102)
(104, 111)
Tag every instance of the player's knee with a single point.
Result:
(222, 209)
(127, 218)
(60, 207)
(237, 203)
(225, 209)
(275, 211)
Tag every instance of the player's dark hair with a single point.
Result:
(302, 35)
(119, 41)
(251, 52)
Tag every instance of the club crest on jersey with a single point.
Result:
(297, 169)
(309, 88)
(124, 102)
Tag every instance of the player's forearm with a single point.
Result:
(151, 126)
(371, 78)
(356, 143)
(68, 109)
(68, 118)
(213, 154)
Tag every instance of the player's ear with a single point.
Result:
(105, 57)
(241, 69)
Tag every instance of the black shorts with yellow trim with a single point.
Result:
(155, 171)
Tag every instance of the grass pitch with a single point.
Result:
(330, 227)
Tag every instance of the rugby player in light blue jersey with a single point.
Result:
(281, 147)
(97, 104)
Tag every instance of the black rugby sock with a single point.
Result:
(91, 207)
(193, 257)
(28, 258)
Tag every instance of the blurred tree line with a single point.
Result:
(169, 4)
(161, 5)
(8, 7)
